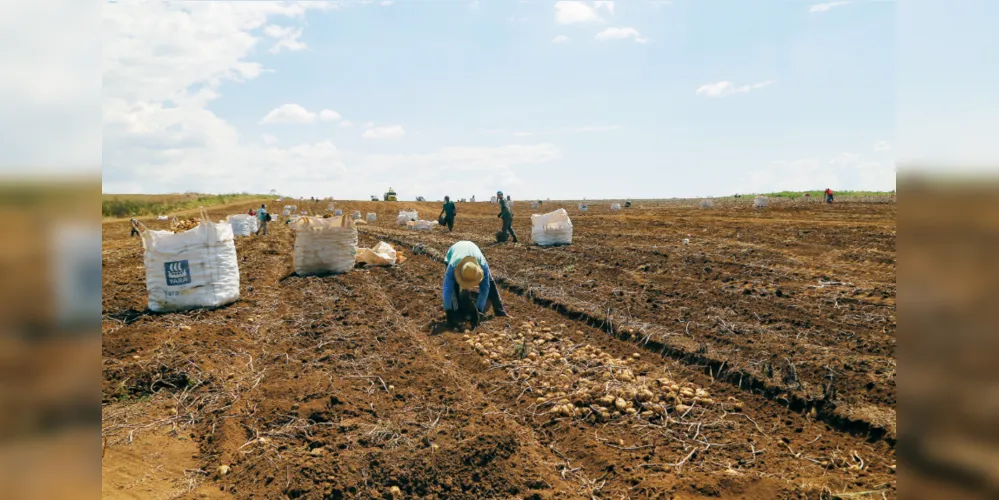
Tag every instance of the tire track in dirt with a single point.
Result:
(591, 447)
(688, 352)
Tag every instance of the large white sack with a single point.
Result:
(405, 217)
(553, 228)
(324, 245)
(615, 206)
(196, 268)
(372, 217)
(243, 224)
(761, 201)
(381, 255)
(421, 225)
(707, 204)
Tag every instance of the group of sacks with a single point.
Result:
(198, 268)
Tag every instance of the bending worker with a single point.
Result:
(507, 215)
(468, 272)
(448, 212)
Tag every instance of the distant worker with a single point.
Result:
(135, 228)
(262, 218)
(829, 195)
(507, 215)
(467, 273)
(251, 212)
(448, 212)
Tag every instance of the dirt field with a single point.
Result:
(781, 320)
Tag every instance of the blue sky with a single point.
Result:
(642, 99)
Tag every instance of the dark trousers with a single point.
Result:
(466, 306)
(449, 222)
(263, 227)
(135, 232)
(508, 228)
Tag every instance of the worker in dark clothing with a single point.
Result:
(448, 212)
(829, 195)
(135, 228)
(507, 215)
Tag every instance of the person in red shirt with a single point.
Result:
(829, 195)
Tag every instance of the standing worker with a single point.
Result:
(468, 272)
(135, 228)
(448, 212)
(507, 215)
(829, 195)
(262, 218)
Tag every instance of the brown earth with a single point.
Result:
(348, 387)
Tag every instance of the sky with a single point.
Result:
(542, 99)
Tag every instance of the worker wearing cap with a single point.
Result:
(468, 271)
(507, 215)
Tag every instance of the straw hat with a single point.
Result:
(468, 273)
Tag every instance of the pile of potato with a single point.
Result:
(185, 225)
(583, 381)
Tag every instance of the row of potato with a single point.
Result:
(581, 380)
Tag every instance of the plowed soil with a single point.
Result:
(349, 386)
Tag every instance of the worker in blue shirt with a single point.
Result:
(467, 273)
(262, 218)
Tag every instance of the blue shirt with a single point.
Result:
(454, 255)
(262, 215)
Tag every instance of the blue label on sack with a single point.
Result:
(177, 273)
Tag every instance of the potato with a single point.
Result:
(620, 404)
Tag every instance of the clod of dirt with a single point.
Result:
(223, 470)
(395, 492)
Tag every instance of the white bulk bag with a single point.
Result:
(492, 199)
(381, 255)
(534, 205)
(324, 245)
(761, 202)
(615, 206)
(356, 214)
(553, 228)
(243, 224)
(372, 217)
(421, 225)
(707, 204)
(195, 268)
(583, 207)
(405, 217)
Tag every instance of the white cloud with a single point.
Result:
(621, 34)
(159, 134)
(560, 39)
(574, 12)
(287, 36)
(346, 124)
(726, 88)
(846, 171)
(369, 124)
(827, 6)
(386, 132)
(328, 115)
(882, 146)
(604, 4)
(288, 113)
(577, 130)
